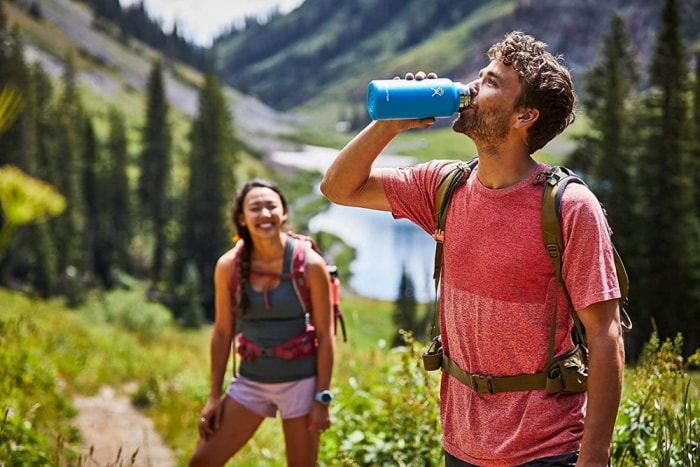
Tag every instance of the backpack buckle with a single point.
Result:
(483, 384)
(553, 250)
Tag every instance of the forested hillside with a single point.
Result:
(328, 50)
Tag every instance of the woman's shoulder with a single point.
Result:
(312, 258)
(229, 257)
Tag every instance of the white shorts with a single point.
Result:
(293, 399)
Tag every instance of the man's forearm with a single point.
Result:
(606, 368)
(349, 175)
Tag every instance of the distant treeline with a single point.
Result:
(134, 21)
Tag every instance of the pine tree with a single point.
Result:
(155, 170)
(405, 311)
(121, 219)
(670, 288)
(212, 166)
(93, 267)
(44, 265)
(607, 155)
(69, 227)
(695, 149)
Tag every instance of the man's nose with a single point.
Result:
(474, 87)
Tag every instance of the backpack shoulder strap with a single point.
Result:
(446, 188)
(456, 177)
(298, 267)
(234, 285)
(237, 248)
(555, 183)
(301, 286)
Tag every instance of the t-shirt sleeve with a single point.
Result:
(411, 191)
(588, 264)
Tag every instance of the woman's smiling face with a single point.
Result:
(263, 212)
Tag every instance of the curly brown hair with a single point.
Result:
(235, 211)
(547, 85)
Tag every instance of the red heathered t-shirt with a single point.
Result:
(497, 302)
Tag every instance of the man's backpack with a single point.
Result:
(565, 373)
(299, 278)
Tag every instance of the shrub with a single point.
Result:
(658, 423)
(129, 310)
(391, 418)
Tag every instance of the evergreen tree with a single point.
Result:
(405, 307)
(695, 149)
(121, 220)
(69, 227)
(45, 259)
(155, 170)
(212, 165)
(670, 288)
(607, 154)
(93, 267)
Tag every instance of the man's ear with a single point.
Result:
(527, 117)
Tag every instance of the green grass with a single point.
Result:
(51, 352)
(386, 409)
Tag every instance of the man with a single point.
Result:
(498, 291)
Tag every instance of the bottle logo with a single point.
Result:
(438, 92)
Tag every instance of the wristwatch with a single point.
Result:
(324, 397)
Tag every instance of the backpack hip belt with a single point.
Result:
(299, 346)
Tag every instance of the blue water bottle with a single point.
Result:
(396, 99)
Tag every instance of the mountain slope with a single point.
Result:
(116, 69)
(327, 51)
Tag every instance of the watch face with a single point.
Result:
(324, 397)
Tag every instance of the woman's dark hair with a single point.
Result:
(235, 212)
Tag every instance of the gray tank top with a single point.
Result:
(284, 319)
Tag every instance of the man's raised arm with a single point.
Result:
(350, 180)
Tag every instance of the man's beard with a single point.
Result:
(489, 128)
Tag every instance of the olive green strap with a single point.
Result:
(443, 196)
(554, 241)
(551, 230)
(494, 384)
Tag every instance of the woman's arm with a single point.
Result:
(220, 342)
(322, 319)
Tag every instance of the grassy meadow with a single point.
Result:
(51, 352)
(386, 408)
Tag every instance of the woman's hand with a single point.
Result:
(319, 418)
(210, 418)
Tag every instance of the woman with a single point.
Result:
(255, 293)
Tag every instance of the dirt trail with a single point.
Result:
(108, 423)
